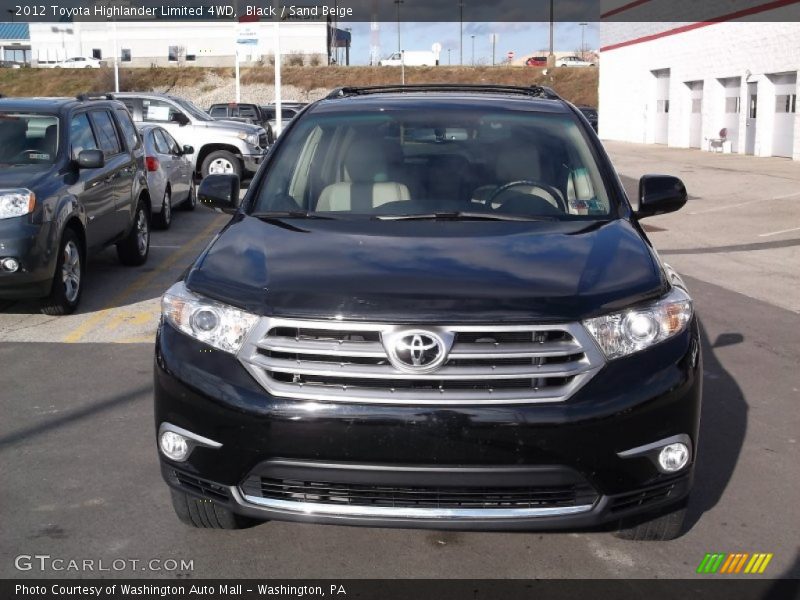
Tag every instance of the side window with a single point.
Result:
(157, 111)
(106, 133)
(81, 135)
(219, 111)
(171, 143)
(161, 144)
(248, 112)
(128, 129)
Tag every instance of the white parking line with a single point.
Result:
(727, 206)
(779, 232)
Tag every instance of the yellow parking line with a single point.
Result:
(77, 334)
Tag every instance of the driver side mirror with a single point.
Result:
(188, 150)
(220, 192)
(660, 194)
(179, 118)
(91, 159)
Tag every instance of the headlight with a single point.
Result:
(16, 203)
(626, 332)
(250, 138)
(210, 322)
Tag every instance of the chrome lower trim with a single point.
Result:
(195, 439)
(391, 512)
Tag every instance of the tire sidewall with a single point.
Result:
(229, 156)
(58, 294)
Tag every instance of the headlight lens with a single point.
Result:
(250, 138)
(16, 202)
(623, 333)
(213, 323)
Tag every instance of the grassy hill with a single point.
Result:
(302, 83)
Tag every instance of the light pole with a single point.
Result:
(494, 45)
(551, 60)
(448, 57)
(583, 47)
(461, 25)
(398, 3)
(473, 49)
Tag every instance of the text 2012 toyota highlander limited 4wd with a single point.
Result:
(435, 307)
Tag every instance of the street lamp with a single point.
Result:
(398, 3)
(473, 49)
(583, 47)
(448, 56)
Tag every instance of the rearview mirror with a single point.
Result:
(91, 159)
(188, 149)
(221, 192)
(660, 194)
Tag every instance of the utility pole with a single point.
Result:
(398, 3)
(494, 46)
(448, 57)
(461, 24)
(551, 59)
(583, 47)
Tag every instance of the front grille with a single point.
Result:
(643, 497)
(348, 362)
(361, 495)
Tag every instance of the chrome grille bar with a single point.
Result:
(342, 361)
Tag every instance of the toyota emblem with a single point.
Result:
(416, 351)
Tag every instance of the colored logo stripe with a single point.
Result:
(723, 563)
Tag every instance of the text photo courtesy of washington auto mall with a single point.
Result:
(414, 299)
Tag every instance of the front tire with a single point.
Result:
(663, 527)
(207, 514)
(133, 250)
(68, 279)
(163, 219)
(191, 202)
(221, 162)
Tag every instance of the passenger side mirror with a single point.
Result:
(660, 194)
(188, 149)
(91, 159)
(179, 118)
(220, 191)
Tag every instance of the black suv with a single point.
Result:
(71, 181)
(435, 307)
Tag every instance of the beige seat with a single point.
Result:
(367, 167)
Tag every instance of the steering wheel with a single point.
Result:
(548, 189)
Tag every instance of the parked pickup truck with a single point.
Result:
(220, 146)
(243, 113)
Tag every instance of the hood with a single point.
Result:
(233, 127)
(25, 176)
(417, 271)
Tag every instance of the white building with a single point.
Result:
(165, 43)
(682, 84)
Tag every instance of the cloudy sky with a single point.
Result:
(521, 38)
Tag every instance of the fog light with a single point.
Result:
(10, 264)
(673, 457)
(174, 446)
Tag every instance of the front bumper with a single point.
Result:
(252, 161)
(35, 247)
(632, 402)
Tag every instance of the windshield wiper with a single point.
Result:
(291, 214)
(457, 215)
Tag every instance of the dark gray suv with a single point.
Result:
(71, 181)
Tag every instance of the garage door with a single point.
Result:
(785, 111)
(731, 109)
(661, 125)
(696, 114)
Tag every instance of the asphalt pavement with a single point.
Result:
(79, 476)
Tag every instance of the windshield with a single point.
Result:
(28, 139)
(192, 109)
(404, 161)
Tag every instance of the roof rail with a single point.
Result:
(534, 91)
(85, 97)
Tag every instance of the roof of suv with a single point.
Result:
(519, 98)
(54, 105)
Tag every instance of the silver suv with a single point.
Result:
(220, 146)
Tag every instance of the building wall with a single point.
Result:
(211, 44)
(708, 57)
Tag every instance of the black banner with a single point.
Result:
(630, 11)
(732, 588)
